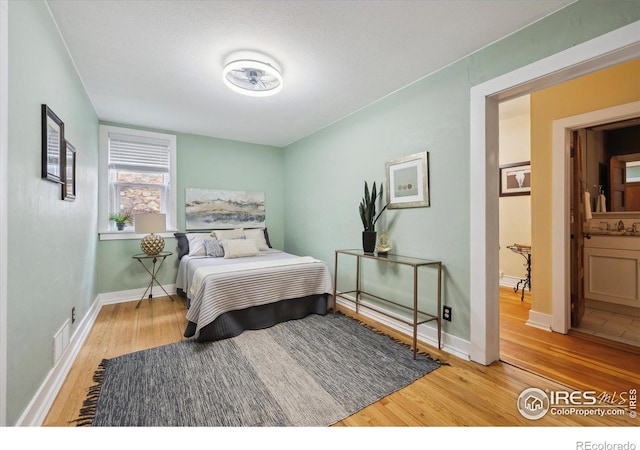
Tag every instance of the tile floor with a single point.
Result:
(613, 326)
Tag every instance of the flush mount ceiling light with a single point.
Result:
(254, 78)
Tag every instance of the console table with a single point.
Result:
(417, 317)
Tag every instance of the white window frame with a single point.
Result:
(104, 231)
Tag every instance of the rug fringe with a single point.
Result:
(90, 404)
(396, 340)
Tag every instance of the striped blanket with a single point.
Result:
(215, 290)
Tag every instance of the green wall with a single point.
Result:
(206, 163)
(328, 169)
(52, 243)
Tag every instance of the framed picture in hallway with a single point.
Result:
(515, 179)
(408, 181)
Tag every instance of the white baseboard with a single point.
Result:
(539, 320)
(134, 294)
(509, 281)
(429, 335)
(37, 410)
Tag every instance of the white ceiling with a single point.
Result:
(158, 63)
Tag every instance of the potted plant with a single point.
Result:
(369, 217)
(121, 218)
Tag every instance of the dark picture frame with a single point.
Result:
(515, 179)
(69, 173)
(52, 146)
(408, 181)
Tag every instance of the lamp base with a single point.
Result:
(152, 244)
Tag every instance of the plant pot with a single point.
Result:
(120, 225)
(369, 241)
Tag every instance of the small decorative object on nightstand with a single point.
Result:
(151, 244)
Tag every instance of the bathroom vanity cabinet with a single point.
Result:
(612, 269)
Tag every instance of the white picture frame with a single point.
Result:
(408, 181)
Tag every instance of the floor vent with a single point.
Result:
(61, 341)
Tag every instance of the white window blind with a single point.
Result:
(138, 153)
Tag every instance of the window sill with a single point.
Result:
(126, 235)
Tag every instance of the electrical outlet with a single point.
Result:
(446, 313)
(73, 314)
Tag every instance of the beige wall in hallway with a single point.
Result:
(609, 87)
(515, 212)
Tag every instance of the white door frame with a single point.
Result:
(4, 186)
(609, 49)
(561, 161)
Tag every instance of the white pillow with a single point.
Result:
(257, 234)
(196, 243)
(239, 248)
(228, 234)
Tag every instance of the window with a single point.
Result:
(137, 169)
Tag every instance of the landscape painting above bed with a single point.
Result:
(206, 209)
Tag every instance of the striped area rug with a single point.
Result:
(308, 372)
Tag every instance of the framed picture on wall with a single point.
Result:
(207, 209)
(408, 181)
(515, 179)
(52, 145)
(69, 173)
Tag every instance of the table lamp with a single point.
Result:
(152, 244)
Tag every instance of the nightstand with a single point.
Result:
(141, 257)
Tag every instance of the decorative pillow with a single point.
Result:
(227, 234)
(257, 234)
(239, 248)
(183, 244)
(196, 243)
(213, 248)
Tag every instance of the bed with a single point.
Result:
(229, 290)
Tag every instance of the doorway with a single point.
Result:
(617, 46)
(605, 301)
(4, 186)
(562, 213)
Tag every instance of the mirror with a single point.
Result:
(613, 165)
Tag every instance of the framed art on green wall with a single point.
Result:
(52, 145)
(69, 173)
(408, 181)
(208, 209)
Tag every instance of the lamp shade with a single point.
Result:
(150, 223)
(152, 244)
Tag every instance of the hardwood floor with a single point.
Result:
(576, 360)
(461, 393)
